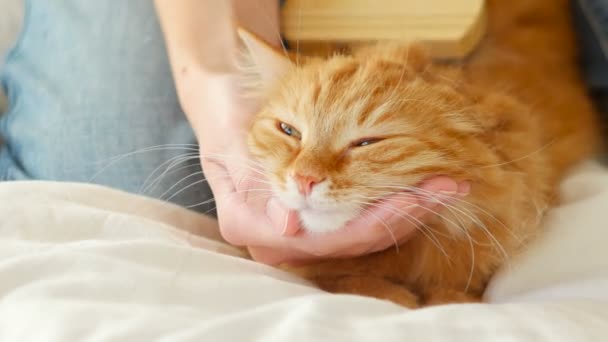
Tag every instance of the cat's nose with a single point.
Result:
(306, 183)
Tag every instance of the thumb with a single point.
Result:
(268, 256)
(285, 222)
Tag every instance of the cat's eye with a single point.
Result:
(289, 130)
(364, 142)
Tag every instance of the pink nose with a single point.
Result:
(306, 183)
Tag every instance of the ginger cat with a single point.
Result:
(511, 120)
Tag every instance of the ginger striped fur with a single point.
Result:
(511, 120)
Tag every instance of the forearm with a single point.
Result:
(201, 41)
(201, 33)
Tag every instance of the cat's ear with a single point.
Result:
(261, 65)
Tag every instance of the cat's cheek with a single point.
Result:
(325, 222)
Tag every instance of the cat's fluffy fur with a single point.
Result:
(511, 119)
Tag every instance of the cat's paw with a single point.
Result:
(370, 287)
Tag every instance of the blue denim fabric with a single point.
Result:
(89, 81)
(591, 21)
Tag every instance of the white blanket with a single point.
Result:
(85, 263)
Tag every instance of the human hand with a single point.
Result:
(391, 222)
(248, 213)
(204, 73)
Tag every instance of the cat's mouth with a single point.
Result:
(321, 215)
(325, 221)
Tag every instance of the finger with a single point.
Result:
(221, 185)
(257, 195)
(285, 222)
(243, 225)
(412, 206)
(266, 255)
(278, 256)
(284, 256)
(241, 218)
(439, 184)
(217, 177)
(388, 222)
(442, 188)
(349, 242)
(404, 213)
(354, 240)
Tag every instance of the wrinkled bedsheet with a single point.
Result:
(86, 263)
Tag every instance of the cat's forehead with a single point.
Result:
(348, 97)
(345, 89)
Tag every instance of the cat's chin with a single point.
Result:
(316, 221)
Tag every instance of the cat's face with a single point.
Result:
(336, 135)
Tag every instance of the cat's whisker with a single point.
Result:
(485, 229)
(188, 147)
(206, 179)
(436, 213)
(469, 215)
(472, 269)
(190, 206)
(158, 148)
(388, 229)
(167, 172)
(285, 222)
(178, 182)
(454, 83)
(243, 163)
(542, 148)
(372, 200)
(487, 214)
(445, 203)
(250, 178)
(113, 160)
(299, 25)
(253, 190)
(241, 160)
(470, 240)
(423, 228)
(393, 98)
(201, 181)
(454, 198)
(462, 229)
(174, 161)
(261, 196)
(209, 211)
(266, 192)
(420, 196)
(268, 18)
(473, 218)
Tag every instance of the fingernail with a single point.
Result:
(284, 221)
(273, 205)
(278, 222)
(393, 220)
(443, 195)
(464, 188)
(285, 230)
(401, 227)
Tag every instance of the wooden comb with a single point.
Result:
(449, 28)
